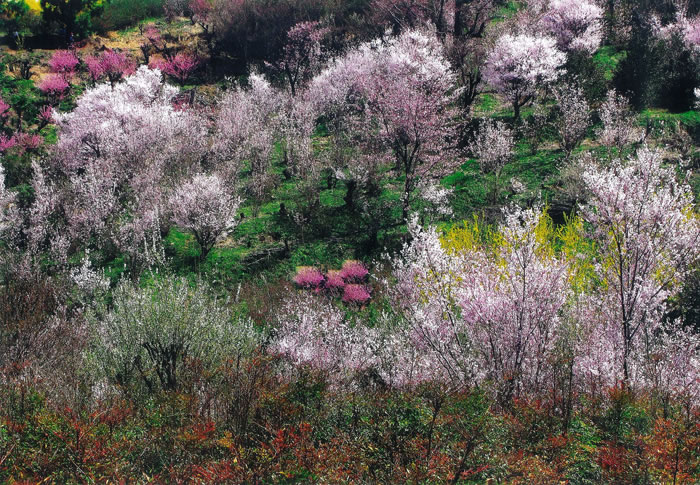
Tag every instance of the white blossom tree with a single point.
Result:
(518, 65)
(204, 206)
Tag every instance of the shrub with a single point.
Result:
(308, 277)
(149, 335)
(353, 271)
(355, 294)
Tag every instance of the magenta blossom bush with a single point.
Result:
(28, 141)
(64, 63)
(7, 142)
(4, 111)
(347, 281)
(110, 64)
(54, 86)
(308, 277)
(46, 115)
(334, 280)
(354, 293)
(179, 67)
(353, 271)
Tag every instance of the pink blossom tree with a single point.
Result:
(619, 123)
(205, 206)
(28, 142)
(7, 142)
(685, 27)
(313, 332)
(246, 132)
(180, 67)
(648, 234)
(573, 117)
(494, 147)
(118, 153)
(64, 63)
(55, 87)
(513, 305)
(391, 102)
(408, 110)
(486, 313)
(294, 125)
(520, 64)
(45, 116)
(577, 25)
(113, 65)
(302, 54)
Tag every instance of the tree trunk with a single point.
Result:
(350, 195)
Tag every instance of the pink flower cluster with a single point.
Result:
(7, 142)
(180, 67)
(353, 271)
(355, 294)
(25, 142)
(348, 281)
(309, 277)
(46, 114)
(53, 85)
(4, 110)
(110, 64)
(64, 62)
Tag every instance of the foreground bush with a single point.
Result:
(149, 335)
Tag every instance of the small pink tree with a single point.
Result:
(520, 64)
(64, 63)
(313, 332)
(180, 67)
(55, 87)
(94, 68)
(7, 142)
(245, 132)
(111, 64)
(302, 54)
(204, 206)
(45, 116)
(619, 123)
(28, 142)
